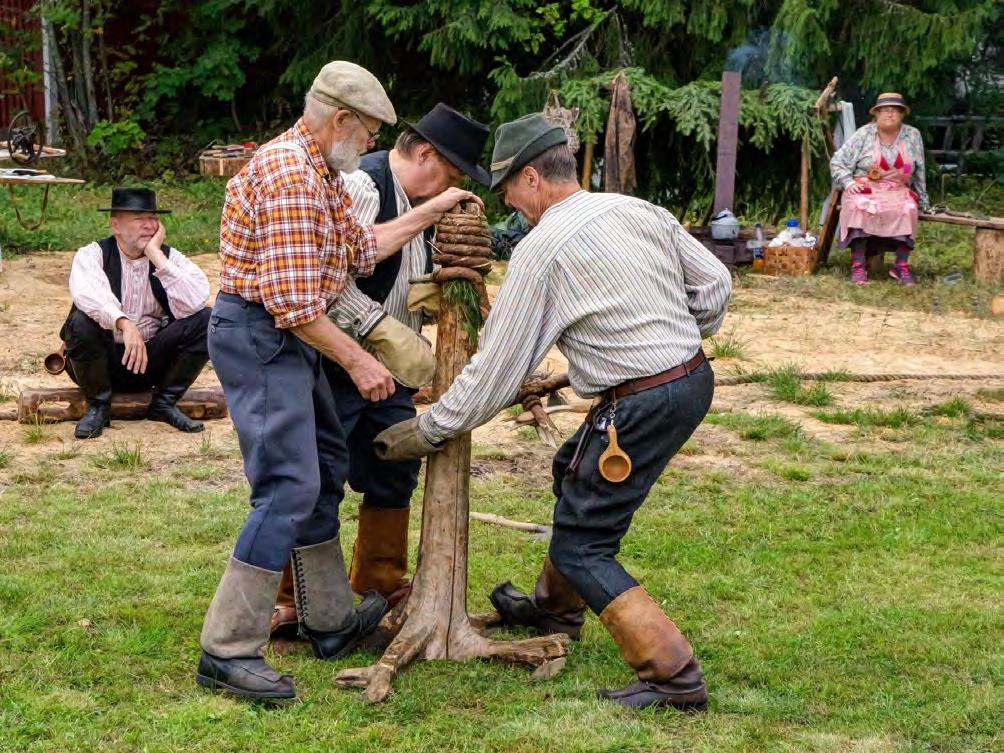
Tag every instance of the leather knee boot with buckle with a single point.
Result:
(555, 606)
(662, 658)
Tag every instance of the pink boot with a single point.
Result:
(900, 271)
(859, 275)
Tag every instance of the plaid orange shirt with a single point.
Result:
(288, 236)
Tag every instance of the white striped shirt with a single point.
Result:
(184, 282)
(621, 288)
(356, 312)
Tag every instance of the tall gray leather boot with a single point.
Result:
(235, 629)
(324, 601)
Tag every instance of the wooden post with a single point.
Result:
(433, 622)
(587, 166)
(988, 256)
(803, 202)
(728, 140)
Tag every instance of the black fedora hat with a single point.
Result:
(134, 200)
(458, 138)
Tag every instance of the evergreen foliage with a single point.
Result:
(188, 72)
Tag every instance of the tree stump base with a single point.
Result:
(433, 622)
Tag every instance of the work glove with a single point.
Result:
(403, 441)
(405, 353)
(424, 294)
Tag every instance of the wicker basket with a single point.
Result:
(791, 261)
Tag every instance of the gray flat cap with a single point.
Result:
(344, 84)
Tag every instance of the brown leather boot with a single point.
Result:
(661, 656)
(380, 556)
(284, 620)
(555, 606)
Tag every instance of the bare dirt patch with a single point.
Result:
(776, 328)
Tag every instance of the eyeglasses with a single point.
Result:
(372, 134)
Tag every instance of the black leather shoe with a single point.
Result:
(163, 410)
(245, 678)
(175, 382)
(97, 417)
(686, 691)
(335, 644)
(518, 609)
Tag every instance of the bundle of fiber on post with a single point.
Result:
(463, 249)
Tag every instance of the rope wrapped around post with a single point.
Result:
(463, 249)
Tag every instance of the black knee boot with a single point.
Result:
(95, 381)
(176, 380)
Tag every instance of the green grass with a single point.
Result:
(120, 458)
(34, 432)
(991, 395)
(729, 345)
(8, 391)
(756, 428)
(5, 457)
(73, 219)
(896, 418)
(785, 385)
(847, 601)
(957, 407)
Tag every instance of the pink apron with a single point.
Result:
(887, 207)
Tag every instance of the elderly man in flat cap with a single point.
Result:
(289, 239)
(627, 295)
(429, 156)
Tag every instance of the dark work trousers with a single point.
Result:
(382, 483)
(592, 514)
(86, 340)
(292, 443)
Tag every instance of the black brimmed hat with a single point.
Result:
(458, 138)
(134, 200)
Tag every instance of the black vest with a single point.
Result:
(378, 285)
(112, 264)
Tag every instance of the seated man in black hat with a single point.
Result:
(428, 157)
(138, 319)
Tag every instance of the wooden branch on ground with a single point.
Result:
(519, 525)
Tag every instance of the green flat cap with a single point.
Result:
(344, 84)
(519, 141)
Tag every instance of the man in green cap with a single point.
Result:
(627, 295)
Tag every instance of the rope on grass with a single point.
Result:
(823, 376)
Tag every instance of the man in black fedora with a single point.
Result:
(429, 156)
(139, 317)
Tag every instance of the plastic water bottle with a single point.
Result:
(757, 246)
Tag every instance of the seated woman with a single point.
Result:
(881, 170)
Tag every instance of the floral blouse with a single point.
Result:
(853, 159)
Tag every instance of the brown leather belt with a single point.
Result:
(647, 383)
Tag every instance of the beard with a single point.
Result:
(342, 156)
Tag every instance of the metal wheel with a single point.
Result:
(25, 139)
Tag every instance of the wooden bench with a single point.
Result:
(988, 245)
(47, 404)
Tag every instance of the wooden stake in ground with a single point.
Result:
(433, 623)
